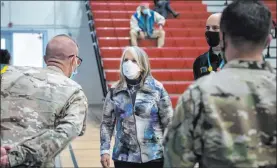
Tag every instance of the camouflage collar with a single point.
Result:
(146, 86)
(245, 64)
(56, 69)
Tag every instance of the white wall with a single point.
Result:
(56, 17)
(215, 6)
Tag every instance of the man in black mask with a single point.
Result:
(5, 57)
(212, 60)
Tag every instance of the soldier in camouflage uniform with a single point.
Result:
(42, 110)
(231, 122)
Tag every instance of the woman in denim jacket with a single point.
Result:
(140, 108)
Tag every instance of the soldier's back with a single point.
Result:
(239, 117)
(32, 100)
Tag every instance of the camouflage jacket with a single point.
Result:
(139, 127)
(228, 123)
(42, 110)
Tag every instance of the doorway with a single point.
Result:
(26, 48)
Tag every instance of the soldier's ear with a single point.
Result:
(45, 59)
(269, 38)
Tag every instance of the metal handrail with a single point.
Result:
(274, 37)
(96, 48)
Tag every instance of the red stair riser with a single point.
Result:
(156, 53)
(120, 15)
(184, 23)
(133, 6)
(174, 101)
(159, 75)
(169, 42)
(169, 32)
(174, 63)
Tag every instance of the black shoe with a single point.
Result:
(176, 15)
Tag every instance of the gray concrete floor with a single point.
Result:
(95, 114)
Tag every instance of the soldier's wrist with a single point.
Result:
(15, 158)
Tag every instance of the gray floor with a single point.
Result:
(95, 114)
(94, 118)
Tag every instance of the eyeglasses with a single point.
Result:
(79, 61)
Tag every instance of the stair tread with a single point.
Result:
(128, 28)
(168, 20)
(156, 70)
(131, 11)
(162, 59)
(173, 38)
(166, 82)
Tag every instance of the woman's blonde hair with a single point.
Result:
(142, 60)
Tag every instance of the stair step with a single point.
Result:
(132, 2)
(107, 14)
(174, 100)
(166, 52)
(156, 63)
(171, 87)
(180, 23)
(133, 6)
(169, 42)
(216, 8)
(170, 32)
(160, 75)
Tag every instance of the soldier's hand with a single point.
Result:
(105, 160)
(4, 161)
(142, 35)
(7, 148)
(3, 151)
(161, 27)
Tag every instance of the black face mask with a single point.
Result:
(212, 38)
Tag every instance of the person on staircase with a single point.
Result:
(163, 7)
(142, 25)
(140, 108)
(212, 60)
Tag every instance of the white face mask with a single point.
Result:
(74, 72)
(145, 11)
(130, 69)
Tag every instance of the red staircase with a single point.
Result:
(272, 6)
(172, 65)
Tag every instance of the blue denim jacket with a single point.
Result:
(146, 24)
(140, 126)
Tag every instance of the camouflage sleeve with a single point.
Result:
(45, 146)
(107, 126)
(165, 109)
(182, 142)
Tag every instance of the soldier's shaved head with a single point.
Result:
(213, 22)
(60, 51)
(61, 46)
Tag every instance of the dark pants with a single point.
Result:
(152, 164)
(163, 7)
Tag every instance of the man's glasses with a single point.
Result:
(79, 61)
